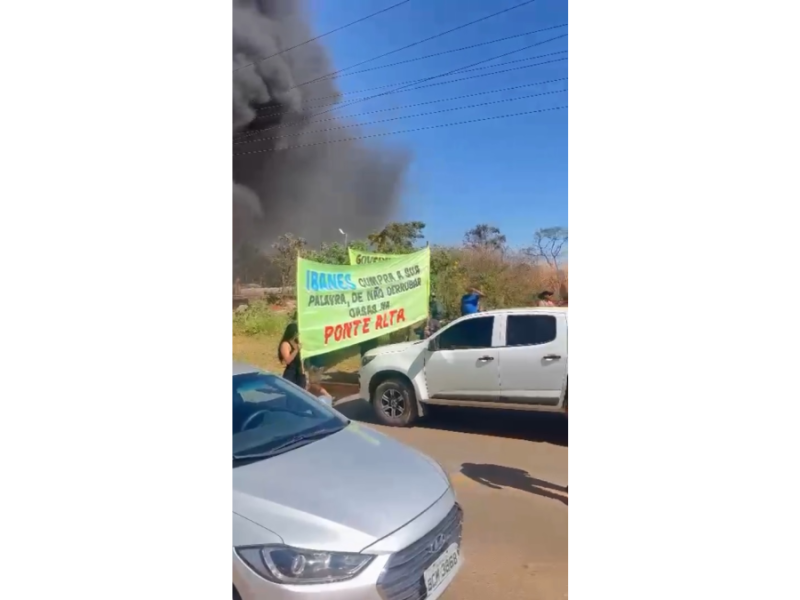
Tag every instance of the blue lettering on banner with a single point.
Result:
(317, 281)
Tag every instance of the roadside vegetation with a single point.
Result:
(508, 276)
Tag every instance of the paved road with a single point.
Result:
(509, 470)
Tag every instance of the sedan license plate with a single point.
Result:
(442, 569)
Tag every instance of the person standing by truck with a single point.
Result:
(546, 298)
(435, 314)
(470, 302)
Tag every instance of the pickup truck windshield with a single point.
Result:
(268, 412)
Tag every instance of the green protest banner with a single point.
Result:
(343, 305)
(363, 257)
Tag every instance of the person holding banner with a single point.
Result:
(436, 314)
(289, 355)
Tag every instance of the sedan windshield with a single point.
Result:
(271, 416)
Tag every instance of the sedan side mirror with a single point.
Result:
(432, 345)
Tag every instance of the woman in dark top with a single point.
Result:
(289, 355)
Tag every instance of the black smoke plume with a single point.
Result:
(310, 191)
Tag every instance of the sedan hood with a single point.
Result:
(343, 492)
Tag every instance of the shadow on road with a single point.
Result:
(549, 428)
(498, 477)
(358, 410)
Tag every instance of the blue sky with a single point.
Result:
(511, 173)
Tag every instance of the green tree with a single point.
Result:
(397, 238)
(336, 253)
(287, 249)
(448, 278)
(485, 237)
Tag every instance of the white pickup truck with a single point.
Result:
(511, 359)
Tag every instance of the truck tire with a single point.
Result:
(395, 403)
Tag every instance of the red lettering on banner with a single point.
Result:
(347, 330)
(356, 327)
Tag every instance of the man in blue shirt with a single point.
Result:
(470, 302)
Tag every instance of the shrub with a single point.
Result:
(260, 319)
(509, 279)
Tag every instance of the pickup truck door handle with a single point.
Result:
(552, 356)
(486, 358)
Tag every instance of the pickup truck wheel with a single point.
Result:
(395, 403)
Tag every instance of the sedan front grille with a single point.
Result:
(402, 578)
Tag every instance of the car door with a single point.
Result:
(533, 358)
(463, 363)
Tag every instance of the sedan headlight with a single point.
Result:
(283, 564)
(365, 360)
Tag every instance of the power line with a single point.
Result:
(502, 39)
(370, 112)
(451, 72)
(322, 35)
(312, 120)
(374, 135)
(424, 114)
(417, 43)
(420, 80)
(547, 62)
(480, 62)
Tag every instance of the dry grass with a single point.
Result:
(259, 351)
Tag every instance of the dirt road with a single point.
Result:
(509, 470)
